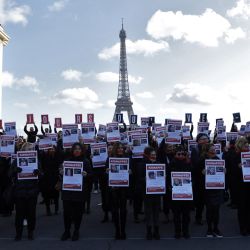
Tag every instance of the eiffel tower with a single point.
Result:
(123, 102)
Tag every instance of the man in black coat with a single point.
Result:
(31, 134)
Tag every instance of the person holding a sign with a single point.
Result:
(202, 140)
(73, 200)
(152, 201)
(213, 197)
(181, 208)
(50, 162)
(31, 134)
(243, 190)
(118, 196)
(25, 194)
(46, 130)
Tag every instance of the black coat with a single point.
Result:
(80, 196)
(25, 189)
(50, 172)
(31, 136)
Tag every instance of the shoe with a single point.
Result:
(217, 233)
(95, 192)
(243, 233)
(75, 235)
(30, 235)
(65, 236)
(123, 236)
(156, 233)
(210, 234)
(149, 235)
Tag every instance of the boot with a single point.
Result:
(149, 235)
(30, 235)
(18, 236)
(156, 234)
(75, 235)
(65, 236)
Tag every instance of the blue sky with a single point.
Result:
(183, 56)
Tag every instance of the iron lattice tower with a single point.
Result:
(123, 102)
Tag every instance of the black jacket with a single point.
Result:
(31, 135)
(80, 196)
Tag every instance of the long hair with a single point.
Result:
(77, 144)
(115, 148)
(240, 143)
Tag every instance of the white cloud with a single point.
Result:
(11, 12)
(139, 47)
(57, 5)
(111, 103)
(9, 80)
(21, 105)
(146, 95)
(137, 107)
(191, 93)
(242, 9)
(206, 29)
(72, 75)
(114, 77)
(77, 97)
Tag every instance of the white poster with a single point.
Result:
(101, 131)
(181, 186)
(139, 142)
(45, 143)
(88, 132)
(10, 128)
(245, 161)
(174, 125)
(218, 150)
(113, 133)
(144, 122)
(203, 127)
(99, 154)
(118, 172)
(7, 145)
(155, 179)
(160, 133)
(186, 135)
(53, 138)
(215, 174)
(70, 135)
(72, 175)
(28, 162)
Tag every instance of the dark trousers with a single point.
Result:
(25, 209)
(212, 216)
(166, 203)
(152, 210)
(56, 203)
(72, 214)
(181, 212)
(119, 208)
(244, 209)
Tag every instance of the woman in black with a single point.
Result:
(213, 197)
(151, 202)
(50, 162)
(181, 209)
(119, 197)
(73, 200)
(25, 198)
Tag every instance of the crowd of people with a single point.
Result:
(21, 195)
